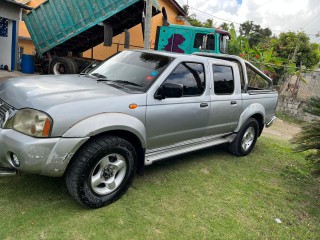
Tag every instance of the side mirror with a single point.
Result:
(169, 90)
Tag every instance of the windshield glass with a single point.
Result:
(136, 70)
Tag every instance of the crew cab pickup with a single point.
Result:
(132, 110)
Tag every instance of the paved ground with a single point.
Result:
(4, 75)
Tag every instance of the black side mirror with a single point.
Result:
(169, 90)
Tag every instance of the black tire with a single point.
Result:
(101, 171)
(63, 65)
(246, 138)
(73, 64)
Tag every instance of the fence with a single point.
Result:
(294, 94)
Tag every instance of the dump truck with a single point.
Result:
(62, 30)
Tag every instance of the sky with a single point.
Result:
(278, 15)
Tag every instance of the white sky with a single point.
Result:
(278, 15)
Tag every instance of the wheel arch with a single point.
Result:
(256, 111)
(113, 124)
(260, 121)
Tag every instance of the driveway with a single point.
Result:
(4, 75)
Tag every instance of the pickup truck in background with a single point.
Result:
(132, 110)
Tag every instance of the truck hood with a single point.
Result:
(42, 92)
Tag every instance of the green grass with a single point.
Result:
(204, 195)
(289, 118)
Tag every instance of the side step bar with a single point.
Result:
(7, 172)
(271, 121)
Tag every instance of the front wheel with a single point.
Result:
(102, 171)
(246, 138)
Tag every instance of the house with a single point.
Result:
(9, 25)
(175, 15)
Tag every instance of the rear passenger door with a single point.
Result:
(225, 98)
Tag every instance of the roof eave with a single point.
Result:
(179, 8)
(21, 5)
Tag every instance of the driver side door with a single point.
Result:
(175, 120)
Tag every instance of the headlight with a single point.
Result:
(30, 122)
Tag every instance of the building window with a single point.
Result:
(3, 27)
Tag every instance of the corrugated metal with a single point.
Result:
(72, 25)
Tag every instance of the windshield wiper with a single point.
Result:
(100, 76)
(127, 82)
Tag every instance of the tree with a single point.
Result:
(254, 33)
(309, 138)
(192, 19)
(208, 23)
(297, 47)
(225, 26)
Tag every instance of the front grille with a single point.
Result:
(4, 108)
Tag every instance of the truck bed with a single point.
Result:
(74, 25)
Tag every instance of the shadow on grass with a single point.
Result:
(37, 191)
(34, 191)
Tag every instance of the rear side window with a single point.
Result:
(223, 80)
(199, 39)
(190, 76)
(255, 81)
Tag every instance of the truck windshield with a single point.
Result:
(130, 69)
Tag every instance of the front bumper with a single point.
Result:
(44, 156)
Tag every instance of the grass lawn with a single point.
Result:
(204, 195)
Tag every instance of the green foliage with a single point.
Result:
(261, 55)
(309, 138)
(297, 47)
(192, 19)
(254, 33)
(225, 26)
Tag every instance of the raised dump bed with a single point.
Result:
(64, 26)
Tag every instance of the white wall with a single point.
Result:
(6, 47)
(10, 12)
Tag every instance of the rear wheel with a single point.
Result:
(63, 65)
(246, 138)
(102, 171)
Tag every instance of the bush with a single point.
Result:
(309, 138)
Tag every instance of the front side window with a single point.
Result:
(190, 76)
(198, 40)
(223, 80)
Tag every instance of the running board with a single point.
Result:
(152, 156)
(6, 172)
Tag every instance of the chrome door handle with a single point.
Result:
(233, 102)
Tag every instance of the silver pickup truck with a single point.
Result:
(136, 108)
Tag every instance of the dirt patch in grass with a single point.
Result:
(282, 130)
